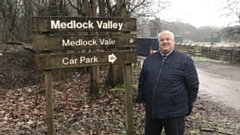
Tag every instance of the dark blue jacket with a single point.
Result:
(168, 86)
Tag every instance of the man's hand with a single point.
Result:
(190, 107)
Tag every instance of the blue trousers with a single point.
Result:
(172, 126)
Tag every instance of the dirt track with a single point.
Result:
(220, 82)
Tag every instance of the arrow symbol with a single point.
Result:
(112, 58)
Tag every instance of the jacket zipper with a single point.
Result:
(154, 91)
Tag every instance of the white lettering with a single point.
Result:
(56, 24)
(109, 25)
(79, 42)
(107, 41)
(99, 24)
(66, 43)
(93, 59)
(120, 26)
(73, 24)
(67, 61)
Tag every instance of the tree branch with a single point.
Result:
(78, 10)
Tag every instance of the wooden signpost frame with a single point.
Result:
(46, 60)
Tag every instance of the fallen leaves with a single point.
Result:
(74, 111)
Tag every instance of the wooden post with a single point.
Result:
(116, 71)
(49, 102)
(52, 8)
(128, 89)
(94, 90)
(128, 98)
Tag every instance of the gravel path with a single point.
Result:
(220, 82)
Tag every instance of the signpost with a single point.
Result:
(83, 24)
(49, 37)
(79, 42)
(53, 61)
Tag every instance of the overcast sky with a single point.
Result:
(196, 12)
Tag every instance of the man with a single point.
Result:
(168, 87)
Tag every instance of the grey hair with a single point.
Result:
(167, 32)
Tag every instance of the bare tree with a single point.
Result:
(16, 14)
(12, 12)
(232, 12)
(149, 14)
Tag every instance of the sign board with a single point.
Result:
(74, 33)
(78, 42)
(52, 61)
(82, 24)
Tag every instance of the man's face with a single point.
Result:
(166, 43)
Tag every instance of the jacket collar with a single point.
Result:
(166, 55)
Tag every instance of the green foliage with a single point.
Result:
(135, 86)
(193, 132)
(61, 120)
(119, 87)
